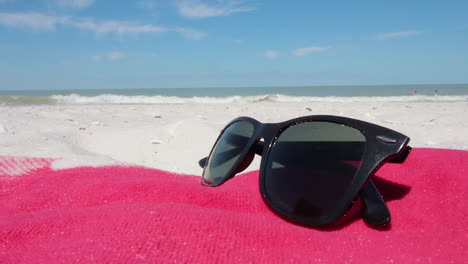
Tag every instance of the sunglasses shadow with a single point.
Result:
(389, 190)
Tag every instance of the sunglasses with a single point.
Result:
(313, 168)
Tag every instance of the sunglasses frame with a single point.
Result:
(382, 145)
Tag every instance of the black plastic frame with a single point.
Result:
(382, 145)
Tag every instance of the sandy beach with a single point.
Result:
(174, 137)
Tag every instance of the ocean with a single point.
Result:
(432, 92)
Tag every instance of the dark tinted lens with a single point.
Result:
(227, 150)
(311, 166)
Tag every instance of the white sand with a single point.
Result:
(174, 137)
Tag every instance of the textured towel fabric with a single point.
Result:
(121, 214)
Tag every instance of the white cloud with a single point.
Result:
(32, 20)
(75, 3)
(271, 54)
(125, 27)
(407, 33)
(196, 9)
(119, 27)
(190, 33)
(307, 50)
(38, 21)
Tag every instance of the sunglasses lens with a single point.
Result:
(227, 151)
(311, 166)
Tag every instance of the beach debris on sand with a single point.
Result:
(156, 141)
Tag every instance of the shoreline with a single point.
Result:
(174, 137)
(117, 99)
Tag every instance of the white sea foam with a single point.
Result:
(125, 99)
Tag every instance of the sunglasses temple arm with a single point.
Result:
(375, 211)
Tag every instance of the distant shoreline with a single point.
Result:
(320, 91)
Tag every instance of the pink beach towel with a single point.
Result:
(121, 214)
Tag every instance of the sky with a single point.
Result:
(107, 44)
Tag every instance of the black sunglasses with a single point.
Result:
(313, 168)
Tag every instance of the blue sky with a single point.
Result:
(92, 44)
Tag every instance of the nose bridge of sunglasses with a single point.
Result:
(258, 147)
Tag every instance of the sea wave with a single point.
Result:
(75, 99)
(277, 98)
